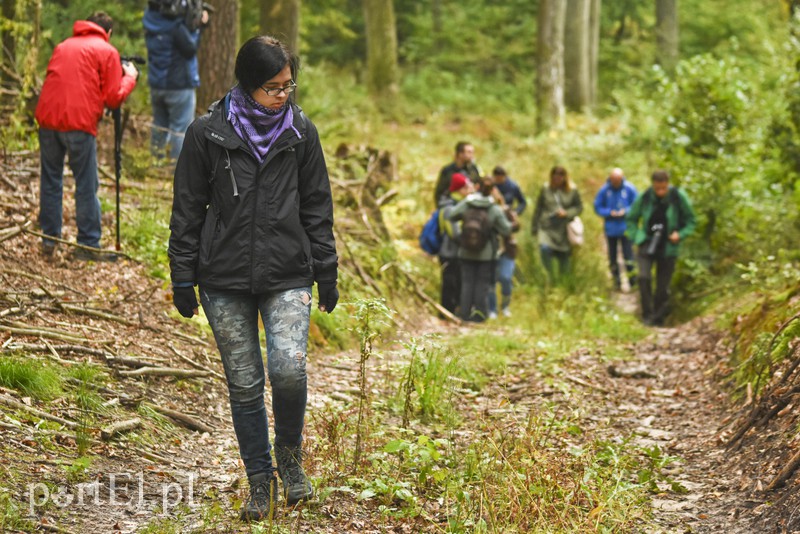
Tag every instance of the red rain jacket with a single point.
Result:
(83, 76)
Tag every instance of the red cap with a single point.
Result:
(457, 181)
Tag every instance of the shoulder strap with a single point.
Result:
(675, 200)
(300, 150)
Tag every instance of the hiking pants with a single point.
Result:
(81, 149)
(547, 255)
(451, 283)
(234, 320)
(655, 308)
(504, 271)
(476, 278)
(627, 253)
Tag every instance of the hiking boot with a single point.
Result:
(48, 250)
(82, 254)
(263, 498)
(296, 486)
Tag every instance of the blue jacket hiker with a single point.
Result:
(173, 77)
(512, 194)
(613, 202)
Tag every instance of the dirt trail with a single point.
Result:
(667, 397)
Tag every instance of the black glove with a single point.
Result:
(328, 295)
(184, 300)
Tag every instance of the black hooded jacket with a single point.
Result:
(241, 226)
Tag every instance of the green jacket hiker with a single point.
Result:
(550, 230)
(680, 218)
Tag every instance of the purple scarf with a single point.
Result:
(258, 126)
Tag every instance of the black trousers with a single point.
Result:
(627, 253)
(655, 307)
(451, 283)
(476, 278)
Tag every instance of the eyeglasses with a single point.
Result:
(275, 91)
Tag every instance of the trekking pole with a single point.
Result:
(117, 115)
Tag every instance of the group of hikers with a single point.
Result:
(471, 232)
(251, 228)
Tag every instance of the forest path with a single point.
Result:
(667, 399)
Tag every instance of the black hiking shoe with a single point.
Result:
(48, 250)
(82, 254)
(263, 498)
(296, 486)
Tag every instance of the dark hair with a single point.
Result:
(499, 171)
(486, 186)
(561, 171)
(260, 59)
(461, 145)
(660, 175)
(102, 19)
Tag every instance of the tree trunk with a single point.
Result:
(281, 19)
(550, 64)
(594, 51)
(9, 61)
(576, 55)
(381, 51)
(30, 63)
(436, 15)
(667, 33)
(217, 54)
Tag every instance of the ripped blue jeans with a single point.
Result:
(234, 320)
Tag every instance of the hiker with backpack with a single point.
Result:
(463, 163)
(252, 226)
(482, 221)
(558, 203)
(172, 72)
(450, 231)
(612, 202)
(657, 222)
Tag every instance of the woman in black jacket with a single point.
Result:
(252, 226)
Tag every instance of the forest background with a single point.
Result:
(706, 89)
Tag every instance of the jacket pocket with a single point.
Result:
(209, 235)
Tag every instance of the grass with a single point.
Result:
(31, 377)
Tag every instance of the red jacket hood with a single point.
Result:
(84, 27)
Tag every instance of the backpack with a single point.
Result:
(430, 239)
(190, 10)
(476, 229)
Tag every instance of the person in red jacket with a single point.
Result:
(84, 75)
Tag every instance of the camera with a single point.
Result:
(655, 240)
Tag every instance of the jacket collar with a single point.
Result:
(218, 130)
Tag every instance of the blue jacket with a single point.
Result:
(171, 52)
(511, 194)
(609, 199)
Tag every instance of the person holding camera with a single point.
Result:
(84, 75)
(172, 73)
(657, 222)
